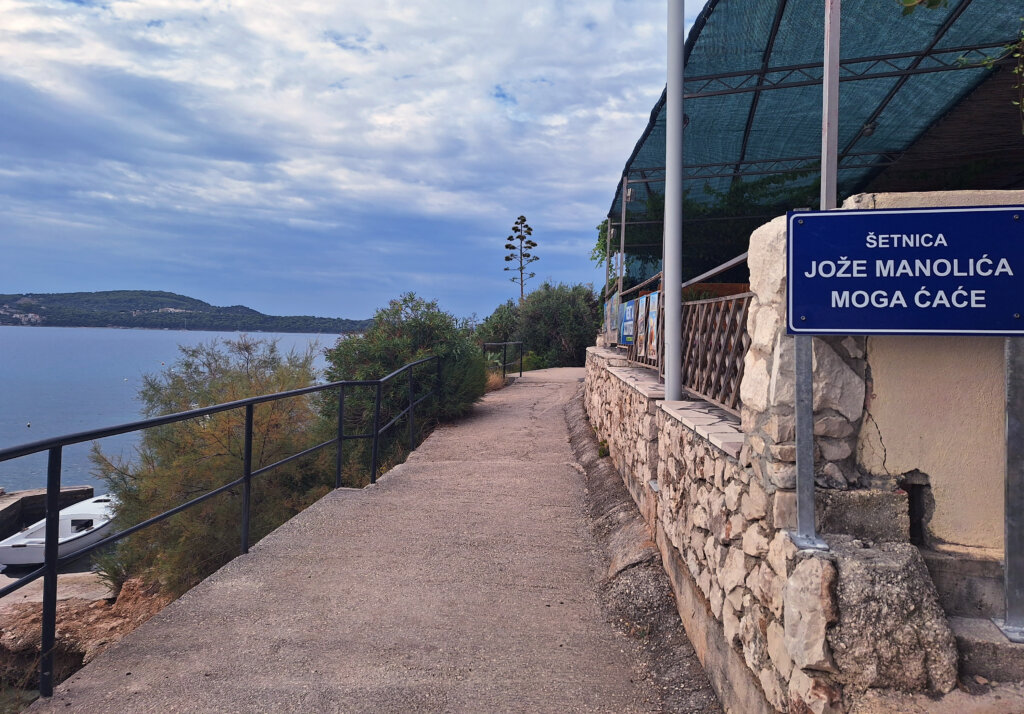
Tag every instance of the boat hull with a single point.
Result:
(81, 525)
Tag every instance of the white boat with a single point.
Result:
(82, 524)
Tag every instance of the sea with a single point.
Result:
(63, 380)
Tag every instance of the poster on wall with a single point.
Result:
(614, 320)
(641, 327)
(626, 324)
(613, 327)
(652, 325)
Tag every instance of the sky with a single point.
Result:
(315, 157)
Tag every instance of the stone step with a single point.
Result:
(968, 585)
(985, 651)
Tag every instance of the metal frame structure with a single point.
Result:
(766, 77)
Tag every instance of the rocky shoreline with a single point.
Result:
(89, 620)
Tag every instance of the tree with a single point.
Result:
(179, 462)
(558, 322)
(520, 254)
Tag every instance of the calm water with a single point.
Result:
(61, 380)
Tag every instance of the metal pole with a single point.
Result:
(339, 456)
(520, 359)
(672, 257)
(806, 537)
(1013, 625)
(376, 435)
(504, 360)
(412, 414)
(49, 638)
(437, 387)
(609, 236)
(830, 107)
(622, 235)
(247, 475)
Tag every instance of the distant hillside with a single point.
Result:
(155, 310)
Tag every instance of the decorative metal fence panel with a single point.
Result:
(714, 338)
(715, 342)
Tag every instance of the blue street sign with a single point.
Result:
(933, 271)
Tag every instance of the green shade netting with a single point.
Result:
(735, 134)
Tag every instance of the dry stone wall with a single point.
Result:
(767, 390)
(682, 463)
(790, 630)
(622, 406)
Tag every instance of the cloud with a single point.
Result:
(221, 131)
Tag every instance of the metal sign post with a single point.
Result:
(806, 536)
(1013, 625)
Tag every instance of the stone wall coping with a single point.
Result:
(644, 381)
(711, 423)
(612, 357)
(708, 421)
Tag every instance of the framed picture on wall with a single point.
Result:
(653, 300)
(641, 327)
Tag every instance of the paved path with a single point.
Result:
(463, 581)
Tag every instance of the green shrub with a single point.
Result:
(502, 325)
(558, 323)
(409, 329)
(179, 462)
(532, 361)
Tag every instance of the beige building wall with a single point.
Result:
(937, 405)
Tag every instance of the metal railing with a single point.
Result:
(54, 446)
(505, 364)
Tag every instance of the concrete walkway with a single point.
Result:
(464, 581)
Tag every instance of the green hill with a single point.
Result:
(155, 310)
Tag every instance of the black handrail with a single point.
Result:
(504, 355)
(55, 445)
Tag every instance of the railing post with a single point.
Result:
(50, 554)
(520, 359)
(376, 435)
(437, 386)
(247, 475)
(504, 359)
(339, 455)
(412, 413)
